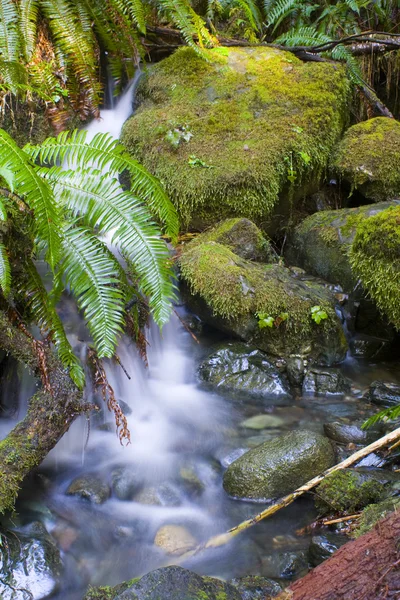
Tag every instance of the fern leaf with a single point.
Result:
(28, 10)
(9, 31)
(388, 414)
(23, 178)
(135, 10)
(5, 271)
(187, 21)
(251, 10)
(281, 10)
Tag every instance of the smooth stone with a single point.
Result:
(383, 394)
(174, 539)
(89, 487)
(162, 495)
(323, 546)
(125, 482)
(254, 587)
(284, 565)
(349, 434)
(263, 422)
(279, 466)
(319, 382)
(191, 481)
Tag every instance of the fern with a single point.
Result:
(135, 9)
(388, 414)
(5, 271)
(9, 31)
(279, 12)
(188, 22)
(28, 10)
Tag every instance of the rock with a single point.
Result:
(174, 539)
(348, 490)
(279, 466)
(242, 369)
(29, 560)
(323, 546)
(383, 394)
(254, 587)
(320, 382)
(227, 292)
(162, 495)
(125, 482)
(350, 434)
(263, 422)
(285, 565)
(241, 236)
(321, 242)
(232, 456)
(369, 347)
(191, 481)
(368, 158)
(177, 583)
(262, 98)
(90, 487)
(295, 369)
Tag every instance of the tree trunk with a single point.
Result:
(50, 413)
(365, 569)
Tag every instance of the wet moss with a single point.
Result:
(250, 114)
(375, 259)
(368, 157)
(347, 491)
(374, 513)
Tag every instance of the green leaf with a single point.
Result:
(5, 271)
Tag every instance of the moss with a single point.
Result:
(375, 259)
(251, 112)
(374, 513)
(369, 158)
(347, 491)
(109, 593)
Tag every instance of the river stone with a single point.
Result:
(254, 587)
(161, 495)
(323, 546)
(174, 539)
(90, 487)
(191, 481)
(125, 482)
(176, 583)
(263, 422)
(228, 459)
(29, 561)
(349, 434)
(279, 466)
(284, 565)
(228, 292)
(320, 382)
(383, 394)
(243, 369)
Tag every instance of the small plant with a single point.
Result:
(265, 320)
(291, 171)
(175, 136)
(194, 161)
(306, 158)
(318, 314)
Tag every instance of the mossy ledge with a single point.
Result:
(223, 135)
(368, 158)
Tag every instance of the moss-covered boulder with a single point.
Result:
(368, 158)
(348, 491)
(228, 292)
(321, 243)
(279, 466)
(232, 135)
(375, 259)
(374, 513)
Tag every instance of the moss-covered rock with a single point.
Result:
(279, 466)
(348, 491)
(368, 158)
(374, 513)
(321, 243)
(228, 291)
(375, 259)
(230, 136)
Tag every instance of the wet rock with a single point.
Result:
(228, 459)
(90, 487)
(191, 481)
(295, 369)
(263, 422)
(285, 565)
(178, 584)
(125, 482)
(323, 546)
(242, 369)
(319, 382)
(162, 495)
(254, 587)
(383, 394)
(350, 434)
(373, 348)
(348, 490)
(372, 460)
(29, 561)
(174, 539)
(278, 466)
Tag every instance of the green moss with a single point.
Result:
(375, 259)
(251, 112)
(109, 593)
(374, 513)
(369, 158)
(346, 491)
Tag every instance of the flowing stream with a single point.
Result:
(171, 474)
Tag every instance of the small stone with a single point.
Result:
(163, 495)
(284, 565)
(191, 481)
(174, 539)
(347, 434)
(262, 422)
(323, 546)
(125, 482)
(320, 382)
(90, 487)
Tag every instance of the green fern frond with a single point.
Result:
(252, 12)
(9, 31)
(93, 277)
(106, 153)
(28, 10)
(389, 414)
(280, 11)
(21, 176)
(187, 20)
(135, 10)
(303, 36)
(5, 271)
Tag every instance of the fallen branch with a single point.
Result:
(224, 538)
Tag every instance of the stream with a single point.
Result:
(183, 435)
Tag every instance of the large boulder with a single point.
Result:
(279, 466)
(368, 158)
(242, 370)
(233, 135)
(228, 292)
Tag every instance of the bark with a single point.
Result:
(50, 413)
(365, 569)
